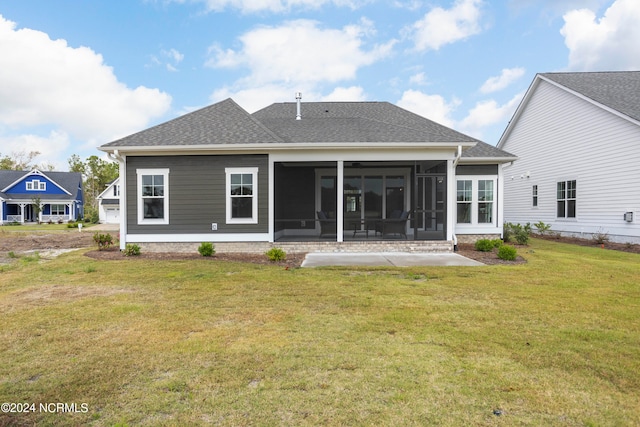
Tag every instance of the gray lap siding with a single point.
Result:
(197, 193)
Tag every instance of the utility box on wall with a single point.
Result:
(628, 216)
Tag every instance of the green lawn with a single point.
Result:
(555, 341)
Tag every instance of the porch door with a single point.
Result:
(430, 213)
(363, 201)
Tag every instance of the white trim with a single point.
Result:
(462, 226)
(265, 148)
(141, 219)
(200, 237)
(253, 171)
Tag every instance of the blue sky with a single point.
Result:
(77, 74)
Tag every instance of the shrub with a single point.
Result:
(507, 253)
(497, 243)
(131, 249)
(542, 227)
(206, 249)
(600, 237)
(103, 240)
(484, 245)
(517, 232)
(276, 254)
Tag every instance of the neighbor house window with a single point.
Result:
(57, 210)
(476, 200)
(116, 190)
(566, 199)
(153, 196)
(534, 195)
(36, 185)
(242, 195)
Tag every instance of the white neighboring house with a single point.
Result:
(109, 203)
(577, 136)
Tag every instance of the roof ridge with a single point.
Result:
(256, 121)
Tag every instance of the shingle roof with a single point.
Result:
(482, 150)
(67, 180)
(619, 90)
(222, 123)
(354, 122)
(331, 122)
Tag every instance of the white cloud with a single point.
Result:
(608, 43)
(274, 6)
(296, 56)
(346, 94)
(49, 147)
(47, 83)
(443, 26)
(299, 51)
(418, 79)
(433, 107)
(488, 113)
(506, 77)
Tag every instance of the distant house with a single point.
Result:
(578, 139)
(59, 195)
(109, 203)
(307, 172)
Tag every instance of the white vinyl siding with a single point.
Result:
(561, 137)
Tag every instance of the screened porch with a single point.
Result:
(400, 200)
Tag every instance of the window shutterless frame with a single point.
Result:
(153, 196)
(241, 195)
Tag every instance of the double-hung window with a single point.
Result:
(566, 199)
(153, 196)
(464, 201)
(475, 199)
(57, 209)
(534, 195)
(242, 195)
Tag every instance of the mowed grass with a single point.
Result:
(555, 341)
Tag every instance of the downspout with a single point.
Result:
(455, 163)
(123, 196)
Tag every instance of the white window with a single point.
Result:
(116, 190)
(57, 210)
(534, 195)
(475, 199)
(566, 199)
(36, 185)
(153, 196)
(242, 195)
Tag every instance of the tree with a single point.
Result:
(97, 174)
(19, 160)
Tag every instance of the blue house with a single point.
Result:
(59, 195)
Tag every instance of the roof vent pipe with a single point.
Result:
(298, 98)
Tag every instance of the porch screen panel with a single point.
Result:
(328, 195)
(394, 187)
(373, 197)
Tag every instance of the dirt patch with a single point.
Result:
(293, 260)
(46, 294)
